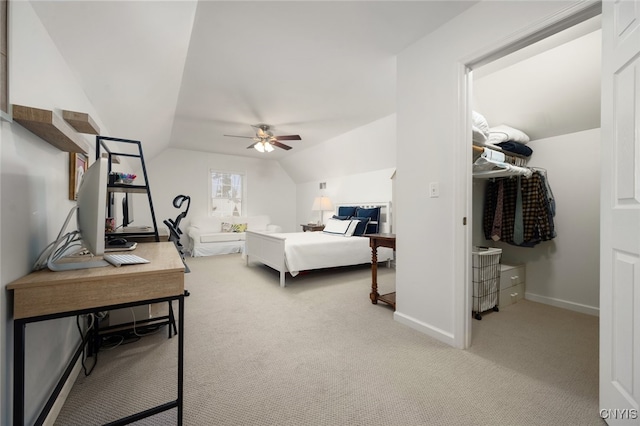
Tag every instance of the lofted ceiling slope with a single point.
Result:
(182, 74)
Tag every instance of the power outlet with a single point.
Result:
(434, 190)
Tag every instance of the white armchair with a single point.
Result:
(210, 235)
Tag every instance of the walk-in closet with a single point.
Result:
(546, 97)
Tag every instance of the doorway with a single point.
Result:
(544, 134)
(548, 312)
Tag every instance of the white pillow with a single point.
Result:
(352, 228)
(504, 133)
(336, 226)
(478, 136)
(480, 123)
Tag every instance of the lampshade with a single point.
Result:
(259, 147)
(322, 204)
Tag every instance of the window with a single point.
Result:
(227, 193)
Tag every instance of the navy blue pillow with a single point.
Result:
(361, 227)
(346, 211)
(372, 213)
(335, 216)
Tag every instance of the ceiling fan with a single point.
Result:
(264, 140)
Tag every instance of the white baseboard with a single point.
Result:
(64, 393)
(422, 327)
(559, 303)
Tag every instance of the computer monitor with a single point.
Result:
(91, 216)
(127, 209)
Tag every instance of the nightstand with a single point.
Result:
(310, 227)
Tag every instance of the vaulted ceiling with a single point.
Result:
(183, 74)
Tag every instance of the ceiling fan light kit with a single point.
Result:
(265, 141)
(263, 146)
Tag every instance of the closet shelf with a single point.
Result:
(480, 149)
(50, 127)
(81, 121)
(489, 164)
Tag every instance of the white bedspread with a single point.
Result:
(317, 250)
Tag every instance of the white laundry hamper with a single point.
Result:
(486, 280)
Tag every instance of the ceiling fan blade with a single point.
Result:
(289, 138)
(280, 145)
(252, 145)
(235, 136)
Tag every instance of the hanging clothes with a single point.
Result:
(527, 217)
(496, 230)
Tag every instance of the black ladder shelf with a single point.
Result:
(116, 148)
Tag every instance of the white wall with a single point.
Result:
(34, 201)
(428, 123)
(356, 166)
(270, 191)
(358, 188)
(367, 148)
(564, 271)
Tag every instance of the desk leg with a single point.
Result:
(18, 371)
(374, 275)
(180, 357)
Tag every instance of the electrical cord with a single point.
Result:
(83, 337)
(135, 331)
(57, 249)
(94, 318)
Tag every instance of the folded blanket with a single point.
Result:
(503, 133)
(516, 148)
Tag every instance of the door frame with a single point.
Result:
(463, 184)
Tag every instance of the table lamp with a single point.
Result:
(322, 204)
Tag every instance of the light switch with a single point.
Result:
(434, 190)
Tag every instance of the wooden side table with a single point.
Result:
(375, 241)
(311, 227)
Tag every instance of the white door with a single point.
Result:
(620, 214)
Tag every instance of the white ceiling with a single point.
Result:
(182, 74)
(547, 89)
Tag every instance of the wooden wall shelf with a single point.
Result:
(81, 121)
(50, 127)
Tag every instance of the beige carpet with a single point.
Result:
(319, 353)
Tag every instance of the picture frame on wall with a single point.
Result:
(78, 164)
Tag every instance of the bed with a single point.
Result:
(302, 251)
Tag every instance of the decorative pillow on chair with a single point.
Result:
(227, 227)
(238, 227)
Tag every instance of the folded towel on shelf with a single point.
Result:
(516, 148)
(504, 133)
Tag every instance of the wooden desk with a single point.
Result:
(375, 241)
(45, 295)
